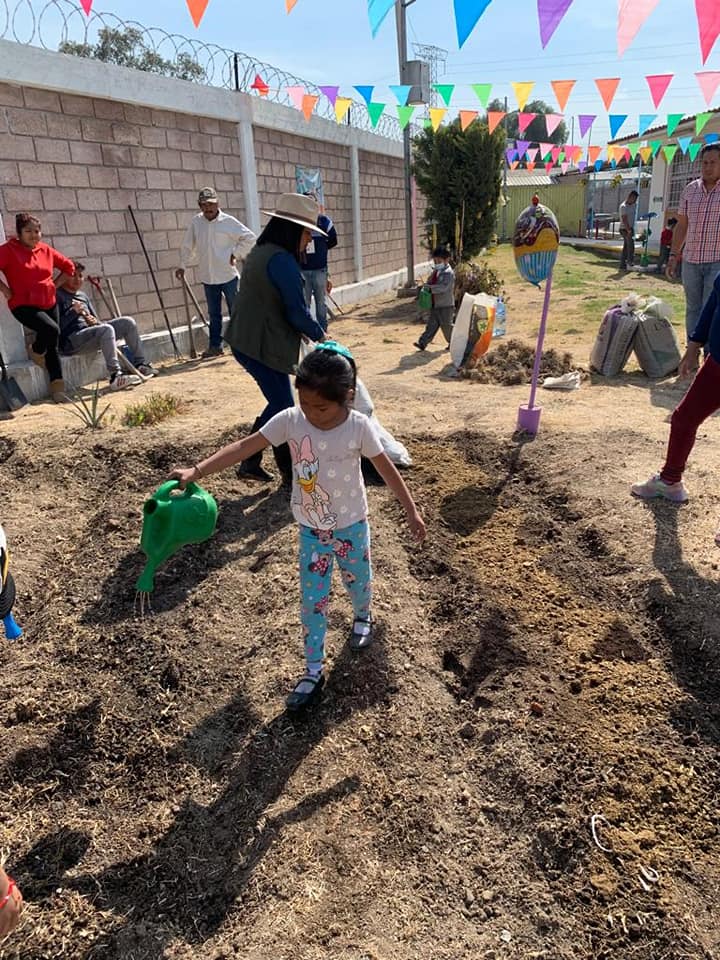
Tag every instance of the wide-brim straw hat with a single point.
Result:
(297, 208)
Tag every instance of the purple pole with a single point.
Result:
(540, 341)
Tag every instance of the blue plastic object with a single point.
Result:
(12, 630)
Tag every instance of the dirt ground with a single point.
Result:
(548, 657)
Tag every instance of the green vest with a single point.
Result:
(258, 327)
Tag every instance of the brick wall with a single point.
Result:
(78, 162)
(277, 153)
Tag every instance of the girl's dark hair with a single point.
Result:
(329, 374)
(441, 252)
(23, 220)
(284, 233)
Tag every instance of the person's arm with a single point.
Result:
(678, 242)
(65, 266)
(284, 274)
(4, 288)
(188, 250)
(229, 455)
(332, 237)
(244, 241)
(388, 471)
(10, 904)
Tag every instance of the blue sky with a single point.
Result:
(329, 42)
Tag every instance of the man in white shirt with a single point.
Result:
(215, 241)
(628, 215)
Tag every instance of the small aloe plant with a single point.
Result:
(87, 409)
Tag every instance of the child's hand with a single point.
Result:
(12, 905)
(184, 476)
(417, 525)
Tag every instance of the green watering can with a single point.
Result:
(173, 518)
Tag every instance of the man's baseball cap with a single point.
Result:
(207, 195)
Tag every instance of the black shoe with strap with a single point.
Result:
(305, 692)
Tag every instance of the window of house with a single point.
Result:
(682, 171)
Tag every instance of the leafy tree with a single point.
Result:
(536, 131)
(127, 48)
(453, 168)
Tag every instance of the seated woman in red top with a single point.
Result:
(28, 265)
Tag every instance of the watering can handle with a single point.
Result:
(163, 492)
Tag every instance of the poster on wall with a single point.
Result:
(310, 182)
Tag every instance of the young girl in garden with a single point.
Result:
(326, 439)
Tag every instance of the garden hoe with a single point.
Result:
(11, 395)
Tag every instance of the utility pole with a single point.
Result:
(401, 20)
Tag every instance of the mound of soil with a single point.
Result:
(511, 363)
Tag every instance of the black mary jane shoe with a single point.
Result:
(299, 699)
(361, 636)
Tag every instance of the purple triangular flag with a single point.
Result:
(550, 13)
(582, 165)
(331, 93)
(510, 154)
(522, 146)
(586, 120)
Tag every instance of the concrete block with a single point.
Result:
(77, 106)
(123, 132)
(92, 200)
(116, 155)
(26, 122)
(70, 175)
(144, 157)
(37, 175)
(119, 199)
(132, 179)
(137, 114)
(103, 177)
(62, 128)
(85, 152)
(109, 110)
(100, 131)
(208, 125)
(178, 139)
(60, 198)
(11, 96)
(100, 243)
(85, 223)
(158, 180)
(183, 180)
(153, 137)
(163, 220)
(148, 199)
(9, 173)
(116, 265)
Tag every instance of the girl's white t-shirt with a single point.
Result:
(328, 490)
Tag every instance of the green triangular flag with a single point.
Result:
(694, 150)
(375, 110)
(655, 144)
(700, 121)
(633, 148)
(482, 92)
(446, 91)
(672, 122)
(427, 123)
(670, 150)
(548, 157)
(405, 115)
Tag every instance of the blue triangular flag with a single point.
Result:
(645, 122)
(613, 164)
(402, 92)
(366, 93)
(712, 137)
(598, 164)
(616, 121)
(377, 11)
(684, 143)
(467, 14)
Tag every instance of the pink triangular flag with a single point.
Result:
(545, 148)
(564, 166)
(709, 81)
(549, 166)
(632, 14)
(552, 121)
(708, 16)
(494, 117)
(296, 95)
(87, 6)
(532, 154)
(550, 13)
(524, 121)
(555, 153)
(658, 83)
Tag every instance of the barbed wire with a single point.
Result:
(60, 22)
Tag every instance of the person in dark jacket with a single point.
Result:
(270, 317)
(314, 264)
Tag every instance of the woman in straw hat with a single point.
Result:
(270, 317)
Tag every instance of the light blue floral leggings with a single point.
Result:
(318, 550)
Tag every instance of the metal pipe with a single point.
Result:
(401, 23)
(178, 355)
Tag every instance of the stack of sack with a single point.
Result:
(642, 326)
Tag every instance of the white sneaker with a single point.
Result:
(124, 381)
(655, 487)
(147, 370)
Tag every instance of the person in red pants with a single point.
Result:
(699, 403)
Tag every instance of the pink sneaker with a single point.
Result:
(655, 487)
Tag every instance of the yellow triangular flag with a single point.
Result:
(522, 92)
(645, 153)
(436, 116)
(342, 105)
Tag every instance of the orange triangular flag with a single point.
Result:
(514, 164)
(594, 153)
(562, 90)
(607, 88)
(494, 117)
(308, 104)
(289, 4)
(530, 165)
(466, 118)
(197, 10)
